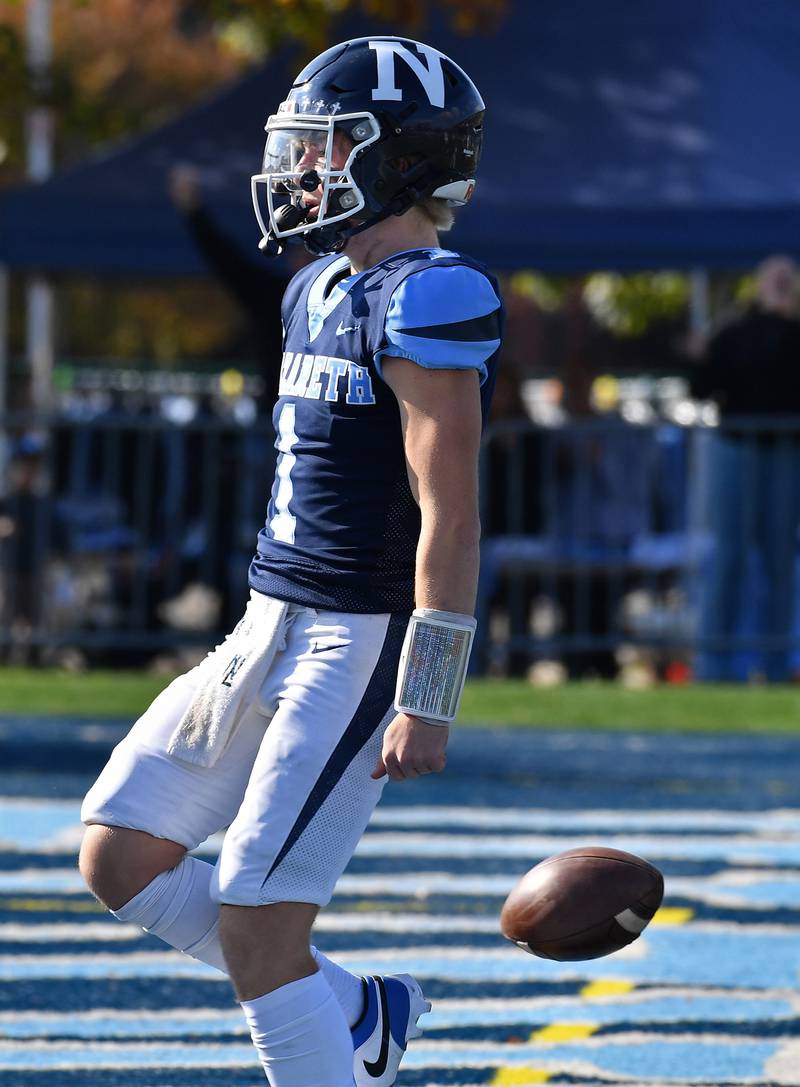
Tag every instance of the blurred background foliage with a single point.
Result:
(119, 67)
(623, 304)
(165, 321)
(628, 305)
(122, 67)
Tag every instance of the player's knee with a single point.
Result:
(267, 946)
(116, 863)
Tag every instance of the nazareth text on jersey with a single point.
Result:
(318, 377)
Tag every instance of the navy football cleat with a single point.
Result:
(392, 1006)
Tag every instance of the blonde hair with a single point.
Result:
(438, 211)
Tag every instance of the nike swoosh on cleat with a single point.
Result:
(325, 648)
(377, 1068)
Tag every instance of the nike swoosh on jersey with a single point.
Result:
(324, 648)
(377, 1068)
(340, 331)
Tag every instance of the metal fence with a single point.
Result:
(123, 537)
(608, 544)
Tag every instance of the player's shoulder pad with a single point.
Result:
(444, 316)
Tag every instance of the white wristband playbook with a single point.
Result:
(433, 664)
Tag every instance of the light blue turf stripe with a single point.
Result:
(37, 824)
(28, 824)
(156, 1056)
(742, 958)
(653, 1060)
(107, 967)
(642, 1062)
(769, 890)
(111, 1026)
(766, 892)
(532, 846)
(519, 820)
(40, 881)
(696, 1009)
(25, 812)
(688, 956)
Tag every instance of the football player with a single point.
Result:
(348, 665)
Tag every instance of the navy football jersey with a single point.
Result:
(342, 524)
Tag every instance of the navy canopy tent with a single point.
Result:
(626, 134)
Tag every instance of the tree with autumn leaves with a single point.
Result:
(123, 66)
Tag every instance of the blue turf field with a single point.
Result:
(709, 994)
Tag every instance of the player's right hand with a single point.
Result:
(412, 748)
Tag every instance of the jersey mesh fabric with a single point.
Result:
(306, 874)
(338, 808)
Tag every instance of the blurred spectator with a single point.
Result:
(510, 506)
(560, 509)
(602, 483)
(581, 350)
(23, 530)
(752, 371)
(257, 287)
(511, 464)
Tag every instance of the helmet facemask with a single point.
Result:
(306, 177)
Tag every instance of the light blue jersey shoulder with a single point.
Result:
(443, 315)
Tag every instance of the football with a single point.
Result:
(582, 904)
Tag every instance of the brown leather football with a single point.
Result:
(582, 904)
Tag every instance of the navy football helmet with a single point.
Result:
(369, 128)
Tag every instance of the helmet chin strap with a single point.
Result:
(320, 240)
(332, 239)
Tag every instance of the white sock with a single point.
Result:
(301, 1036)
(177, 907)
(347, 988)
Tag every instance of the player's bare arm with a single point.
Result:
(440, 413)
(441, 419)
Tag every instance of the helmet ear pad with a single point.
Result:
(392, 177)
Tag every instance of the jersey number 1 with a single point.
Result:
(283, 522)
